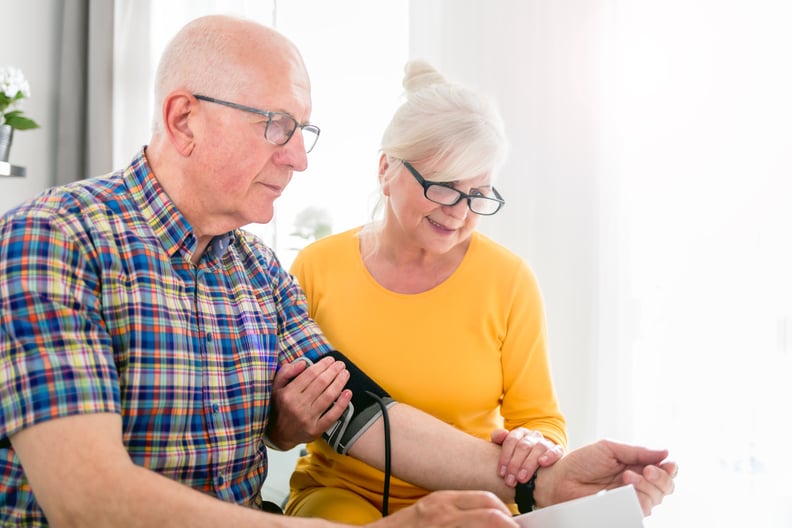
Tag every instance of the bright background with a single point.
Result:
(649, 187)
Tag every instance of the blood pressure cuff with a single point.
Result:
(369, 401)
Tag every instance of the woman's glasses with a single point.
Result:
(443, 193)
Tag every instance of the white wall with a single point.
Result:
(31, 32)
(538, 59)
(649, 186)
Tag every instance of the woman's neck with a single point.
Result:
(404, 267)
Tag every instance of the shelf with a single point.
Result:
(8, 170)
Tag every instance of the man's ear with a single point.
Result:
(178, 113)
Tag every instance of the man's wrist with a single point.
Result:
(543, 488)
(524, 494)
(270, 444)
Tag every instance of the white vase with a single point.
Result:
(6, 136)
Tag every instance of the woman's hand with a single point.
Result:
(523, 451)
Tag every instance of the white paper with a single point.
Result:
(617, 508)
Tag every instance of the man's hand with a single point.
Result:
(306, 401)
(523, 451)
(452, 508)
(606, 465)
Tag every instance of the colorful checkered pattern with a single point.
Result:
(101, 310)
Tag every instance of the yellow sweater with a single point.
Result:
(471, 351)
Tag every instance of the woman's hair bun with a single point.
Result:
(419, 74)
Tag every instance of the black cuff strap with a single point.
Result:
(363, 411)
(524, 494)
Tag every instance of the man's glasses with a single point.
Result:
(280, 127)
(444, 194)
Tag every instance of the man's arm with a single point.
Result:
(606, 465)
(81, 475)
(435, 455)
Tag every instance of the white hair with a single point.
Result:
(455, 129)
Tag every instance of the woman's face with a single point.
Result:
(429, 226)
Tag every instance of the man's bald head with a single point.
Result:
(225, 56)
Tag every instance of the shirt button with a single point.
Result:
(220, 480)
(216, 407)
(209, 337)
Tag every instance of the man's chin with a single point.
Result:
(262, 215)
(262, 219)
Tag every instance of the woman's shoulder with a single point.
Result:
(502, 265)
(487, 248)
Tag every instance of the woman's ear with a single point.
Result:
(178, 113)
(384, 178)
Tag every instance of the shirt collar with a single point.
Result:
(169, 225)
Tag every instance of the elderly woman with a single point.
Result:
(439, 315)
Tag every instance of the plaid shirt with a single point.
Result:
(101, 310)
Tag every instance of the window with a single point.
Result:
(356, 86)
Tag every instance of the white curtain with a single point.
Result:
(84, 95)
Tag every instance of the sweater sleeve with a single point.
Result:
(529, 398)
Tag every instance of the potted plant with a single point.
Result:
(13, 88)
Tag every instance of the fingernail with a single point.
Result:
(522, 475)
(502, 471)
(511, 481)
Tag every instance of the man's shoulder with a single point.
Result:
(73, 200)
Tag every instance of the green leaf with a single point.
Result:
(6, 101)
(19, 122)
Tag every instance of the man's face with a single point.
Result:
(241, 172)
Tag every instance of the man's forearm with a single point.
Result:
(432, 454)
(82, 479)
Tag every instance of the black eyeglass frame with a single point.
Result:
(426, 184)
(269, 115)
